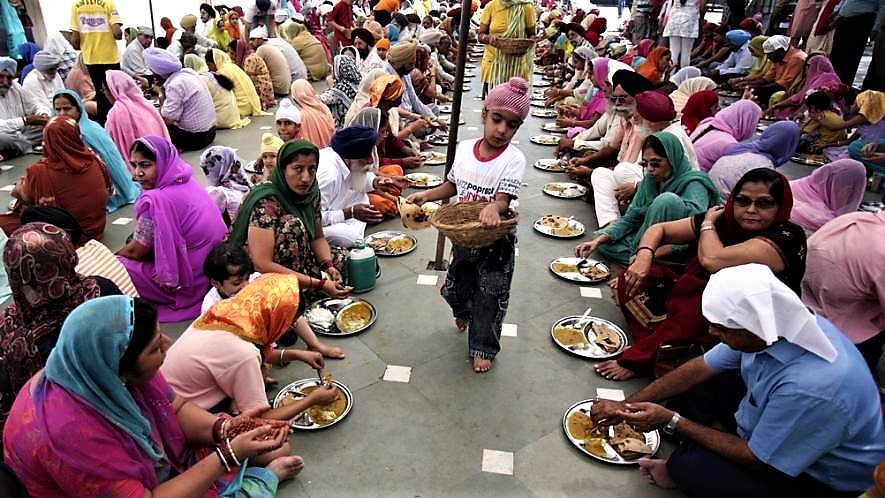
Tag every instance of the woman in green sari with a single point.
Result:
(670, 190)
(280, 224)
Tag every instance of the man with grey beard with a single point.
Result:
(345, 179)
(22, 116)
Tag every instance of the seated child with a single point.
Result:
(822, 129)
(258, 169)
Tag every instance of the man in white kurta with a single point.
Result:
(44, 80)
(21, 116)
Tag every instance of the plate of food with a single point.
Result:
(871, 206)
(317, 416)
(554, 128)
(433, 158)
(589, 337)
(541, 84)
(552, 165)
(545, 139)
(391, 243)
(445, 108)
(620, 444)
(424, 180)
(547, 77)
(438, 139)
(580, 270)
(341, 317)
(544, 113)
(564, 190)
(538, 70)
(559, 227)
(469, 66)
(728, 93)
(810, 159)
(465, 88)
(539, 103)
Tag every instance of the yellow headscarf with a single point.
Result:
(260, 313)
(244, 89)
(872, 105)
(762, 64)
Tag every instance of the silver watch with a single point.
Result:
(670, 428)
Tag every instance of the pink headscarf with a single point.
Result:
(830, 191)
(317, 124)
(132, 116)
(597, 103)
(731, 125)
(819, 75)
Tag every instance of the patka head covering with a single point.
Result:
(383, 43)
(655, 106)
(8, 64)
(144, 30)
(354, 142)
(364, 35)
(631, 81)
(431, 37)
(402, 53)
(737, 37)
(289, 111)
(44, 61)
(512, 96)
(751, 298)
(161, 62)
(776, 42)
(188, 21)
(270, 143)
(259, 33)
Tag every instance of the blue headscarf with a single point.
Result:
(737, 37)
(96, 138)
(28, 51)
(86, 362)
(778, 143)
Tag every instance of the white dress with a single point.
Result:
(683, 20)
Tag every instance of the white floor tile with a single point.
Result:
(122, 221)
(508, 329)
(497, 462)
(593, 292)
(427, 279)
(8, 188)
(395, 373)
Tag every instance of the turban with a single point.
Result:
(289, 111)
(161, 62)
(44, 61)
(431, 37)
(364, 35)
(655, 106)
(776, 42)
(402, 53)
(354, 142)
(262, 5)
(9, 65)
(239, 11)
(144, 30)
(737, 37)
(205, 7)
(511, 96)
(188, 21)
(258, 33)
(750, 24)
(299, 18)
(400, 19)
(281, 16)
(631, 81)
(386, 87)
(383, 43)
(270, 143)
(375, 28)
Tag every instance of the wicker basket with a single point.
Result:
(514, 46)
(460, 223)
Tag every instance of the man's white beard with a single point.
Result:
(358, 179)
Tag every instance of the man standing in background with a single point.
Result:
(95, 29)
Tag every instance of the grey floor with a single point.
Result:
(427, 437)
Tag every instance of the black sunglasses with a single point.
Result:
(762, 203)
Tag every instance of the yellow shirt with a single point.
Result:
(497, 16)
(94, 19)
(827, 137)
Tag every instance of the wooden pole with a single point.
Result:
(463, 34)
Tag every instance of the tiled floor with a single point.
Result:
(428, 436)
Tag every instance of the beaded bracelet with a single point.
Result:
(223, 460)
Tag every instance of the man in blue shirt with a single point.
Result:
(810, 423)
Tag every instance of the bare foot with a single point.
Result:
(481, 365)
(655, 470)
(461, 324)
(286, 467)
(611, 370)
(333, 352)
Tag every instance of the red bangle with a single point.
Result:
(646, 248)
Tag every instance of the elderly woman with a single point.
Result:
(216, 363)
(340, 95)
(663, 310)
(39, 260)
(830, 191)
(69, 176)
(317, 123)
(505, 19)
(575, 91)
(310, 49)
(226, 182)
(131, 116)
(280, 223)
(773, 148)
(177, 224)
(671, 189)
(66, 103)
(713, 136)
(248, 102)
(103, 379)
(227, 114)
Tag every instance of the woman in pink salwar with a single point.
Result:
(132, 116)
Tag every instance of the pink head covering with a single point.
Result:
(819, 75)
(132, 116)
(511, 96)
(317, 124)
(731, 125)
(597, 103)
(830, 191)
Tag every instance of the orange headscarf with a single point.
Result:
(63, 148)
(260, 313)
(317, 124)
(649, 68)
(383, 43)
(386, 87)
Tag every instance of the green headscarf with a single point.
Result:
(301, 206)
(682, 175)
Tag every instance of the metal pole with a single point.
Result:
(463, 35)
(153, 26)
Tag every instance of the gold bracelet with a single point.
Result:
(705, 227)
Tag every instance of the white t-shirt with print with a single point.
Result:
(480, 180)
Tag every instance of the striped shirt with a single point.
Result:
(188, 102)
(97, 260)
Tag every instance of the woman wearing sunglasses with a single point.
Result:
(663, 309)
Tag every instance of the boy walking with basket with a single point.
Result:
(489, 170)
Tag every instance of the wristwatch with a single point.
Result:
(670, 428)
